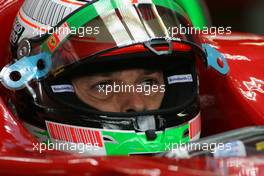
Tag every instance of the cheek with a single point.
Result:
(153, 102)
(106, 105)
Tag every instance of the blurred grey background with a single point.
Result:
(241, 15)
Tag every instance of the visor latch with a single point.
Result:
(159, 46)
(151, 135)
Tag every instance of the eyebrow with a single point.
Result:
(146, 72)
(149, 72)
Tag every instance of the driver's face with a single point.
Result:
(137, 90)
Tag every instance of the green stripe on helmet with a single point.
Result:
(89, 12)
(125, 143)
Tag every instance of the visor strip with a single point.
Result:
(105, 9)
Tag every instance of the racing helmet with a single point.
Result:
(50, 49)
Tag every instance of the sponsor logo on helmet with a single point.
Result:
(18, 30)
(53, 43)
(74, 134)
(180, 78)
(62, 88)
(58, 36)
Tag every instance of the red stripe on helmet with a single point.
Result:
(51, 130)
(195, 126)
(73, 135)
(82, 136)
(140, 48)
(91, 137)
(65, 133)
(99, 139)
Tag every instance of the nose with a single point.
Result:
(132, 102)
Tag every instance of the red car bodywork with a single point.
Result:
(228, 102)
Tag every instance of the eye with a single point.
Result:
(102, 85)
(149, 81)
(102, 89)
